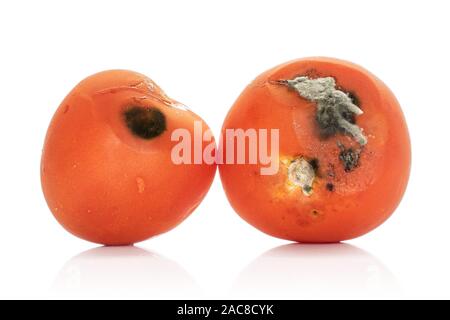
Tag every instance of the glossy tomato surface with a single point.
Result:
(356, 152)
(106, 170)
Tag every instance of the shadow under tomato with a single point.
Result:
(315, 271)
(123, 272)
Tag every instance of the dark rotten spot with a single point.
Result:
(349, 157)
(145, 122)
(350, 117)
(314, 164)
(327, 119)
(354, 98)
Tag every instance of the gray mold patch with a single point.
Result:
(336, 111)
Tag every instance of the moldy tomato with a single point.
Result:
(344, 152)
(107, 172)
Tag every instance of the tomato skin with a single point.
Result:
(103, 183)
(343, 205)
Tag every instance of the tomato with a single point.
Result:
(107, 171)
(343, 155)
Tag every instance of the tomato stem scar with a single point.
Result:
(336, 109)
(145, 122)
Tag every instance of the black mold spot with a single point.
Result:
(354, 98)
(145, 122)
(307, 188)
(350, 117)
(328, 120)
(314, 164)
(330, 187)
(349, 157)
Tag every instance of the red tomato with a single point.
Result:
(344, 152)
(107, 172)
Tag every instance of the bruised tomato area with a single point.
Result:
(357, 182)
(107, 173)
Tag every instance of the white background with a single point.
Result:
(204, 53)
